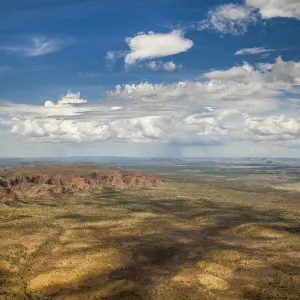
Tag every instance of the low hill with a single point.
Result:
(46, 180)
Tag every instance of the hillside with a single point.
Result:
(36, 181)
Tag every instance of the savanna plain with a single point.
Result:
(165, 229)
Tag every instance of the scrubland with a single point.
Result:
(186, 240)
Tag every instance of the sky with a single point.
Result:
(144, 78)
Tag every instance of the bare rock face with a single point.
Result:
(49, 180)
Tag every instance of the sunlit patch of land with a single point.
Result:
(189, 240)
(288, 187)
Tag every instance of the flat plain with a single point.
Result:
(215, 230)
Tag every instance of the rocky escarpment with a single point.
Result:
(47, 181)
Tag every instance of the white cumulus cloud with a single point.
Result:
(151, 45)
(245, 73)
(170, 66)
(284, 74)
(68, 99)
(240, 104)
(276, 8)
(263, 67)
(154, 65)
(159, 65)
(273, 125)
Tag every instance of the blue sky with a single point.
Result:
(237, 62)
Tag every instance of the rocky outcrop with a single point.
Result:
(47, 181)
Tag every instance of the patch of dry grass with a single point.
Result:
(212, 282)
(189, 241)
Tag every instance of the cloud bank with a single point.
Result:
(238, 105)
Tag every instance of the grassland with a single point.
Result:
(197, 238)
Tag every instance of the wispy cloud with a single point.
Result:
(229, 19)
(37, 46)
(4, 69)
(252, 51)
(112, 56)
(88, 74)
(235, 19)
